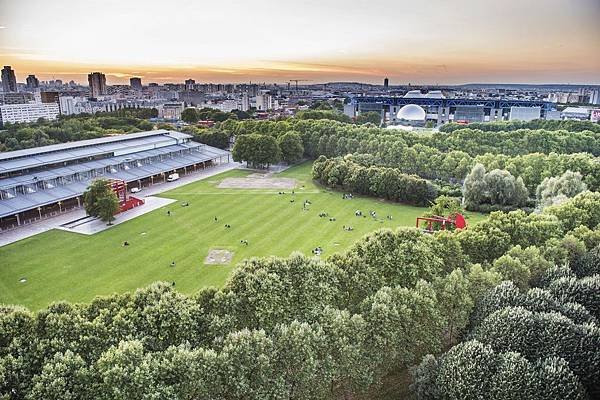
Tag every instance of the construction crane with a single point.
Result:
(299, 80)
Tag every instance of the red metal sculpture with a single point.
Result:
(126, 202)
(436, 222)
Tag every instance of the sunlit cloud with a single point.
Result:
(277, 40)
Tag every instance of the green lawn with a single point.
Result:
(61, 265)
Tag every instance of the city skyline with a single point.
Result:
(553, 41)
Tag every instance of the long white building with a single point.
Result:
(29, 112)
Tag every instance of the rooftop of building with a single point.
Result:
(132, 142)
(169, 158)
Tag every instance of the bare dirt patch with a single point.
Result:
(257, 181)
(218, 257)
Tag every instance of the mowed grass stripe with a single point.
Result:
(60, 265)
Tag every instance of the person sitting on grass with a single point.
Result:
(126, 243)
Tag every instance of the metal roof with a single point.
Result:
(44, 197)
(89, 142)
(122, 144)
(91, 165)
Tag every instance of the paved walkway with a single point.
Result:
(45, 225)
(95, 225)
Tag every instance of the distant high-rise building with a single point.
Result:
(97, 82)
(49, 97)
(135, 83)
(386, 83)
(595, 96)
(189, 84)
(9, 81)
(32, 82)
(15, 98)
(264, 101)
(245, 106)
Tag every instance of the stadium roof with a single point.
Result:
(44, 197)
(90, 165)
(90, 142)
(121, 144)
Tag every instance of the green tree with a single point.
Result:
(66, 376)
(291, 147)
(247, 367)
(512, 269)
(372, 117)
(455, 303)
(475, 187)
(301, 361)
(538, 335)
(555, 190)
(215, 138)
(257, 150)
(190, 115)
(108, 206)
(100, 201)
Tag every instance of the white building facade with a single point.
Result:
(30, 112)
(525, 113)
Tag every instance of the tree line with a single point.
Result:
(260, 151)
(71, 128)
(307, 328)
(549, 125)
(417, 154)
(388, 183)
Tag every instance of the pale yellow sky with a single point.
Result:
(434, 41)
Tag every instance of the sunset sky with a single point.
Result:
(429, 42)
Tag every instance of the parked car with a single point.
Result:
(136, 190)
(173, 177)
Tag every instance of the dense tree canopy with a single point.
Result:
(382, 182)
(71, 128)
(444, 156)
(309, 328)
(556, 189)
(256, 150)
(305, 328)
(497, 187)
(292, 149)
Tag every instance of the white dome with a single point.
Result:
(411, 112)
(412, 94)
(435, 94)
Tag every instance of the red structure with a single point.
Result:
(126, 202)
(442, 223)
